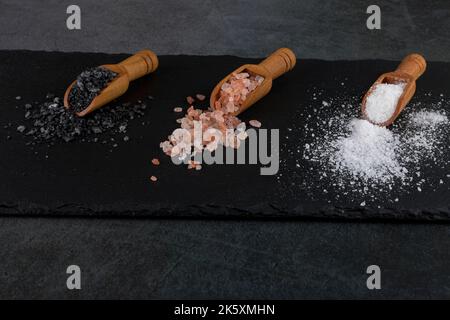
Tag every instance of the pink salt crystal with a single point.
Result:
(178, 109)
(235, 91)
(232, 95)
(255, 123)
(194, 165)
(200, 97)
(155, 162)
(190, 100)
(153, 178)
(166, 147)
(241, 75)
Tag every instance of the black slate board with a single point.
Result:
(87, 179)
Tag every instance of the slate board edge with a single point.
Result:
(259, 212)
(262, 211)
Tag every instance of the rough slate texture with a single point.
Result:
(87, 179)
(335, 29)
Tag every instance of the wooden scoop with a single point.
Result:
(275, 65)
(132, 68)
(409, 70)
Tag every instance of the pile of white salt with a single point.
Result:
(382, 101)
(346, 158)
(368, 152)
(375, 154)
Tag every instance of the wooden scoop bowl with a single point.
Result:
(275, 65)
(408, 71)
(132, 68)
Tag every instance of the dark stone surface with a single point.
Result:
(157, 258)
(217, 190)
(332, 29)
(207, 259)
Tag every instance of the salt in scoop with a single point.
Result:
(132, 68)
(408, 71)
(278, 63)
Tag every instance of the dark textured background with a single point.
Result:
(330, 29)
(107, 181)
(136, 258)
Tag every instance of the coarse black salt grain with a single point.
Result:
(49, 122)
(87, 86)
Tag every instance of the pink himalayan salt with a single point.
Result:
(190, 100)
(255, 123)
(155, 162)
(178, 109)
(153, 178)
(234, 92)
(182, 145)
(194, 165)
(200, 97)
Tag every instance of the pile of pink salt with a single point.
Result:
(207, 130)
(234, 92)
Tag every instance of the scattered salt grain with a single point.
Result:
(190, 100)
(194, 165)
(178, 109)
(153, 178)
(155, 162)
(382, 101)
(48, 121)
(425, 118)
(200, 97)
(255, 123)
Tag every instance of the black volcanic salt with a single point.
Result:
(49, 122)
(88, 85)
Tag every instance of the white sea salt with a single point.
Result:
(382, 101)
(363, 160)
(425, 118)
(367, 152)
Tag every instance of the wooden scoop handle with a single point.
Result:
(414, 65)
(140, 64)
(279, 62)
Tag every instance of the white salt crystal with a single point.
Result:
(426, 118)
(355, 156)
(368, 152)
(382, 102)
